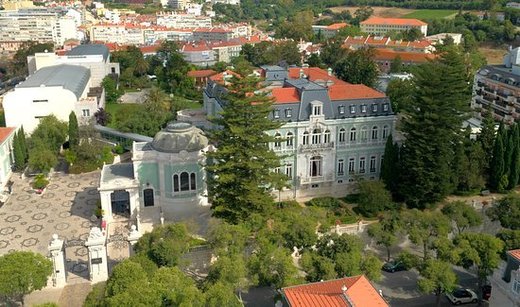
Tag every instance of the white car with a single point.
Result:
(462, 296)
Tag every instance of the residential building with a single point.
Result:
(213, 34)
(385, 57)
(201, 76)
(333, 132)
(330, 30)
(6, 159)
(232, 2)
(384, 42)
(37, 24)
(166, 174)
(342, 292)
(178, 4)
(125, 34)
(497, 88)
(199, 54)
(183, 21)
(513, 5)
(381, 26)
(512, 275)
(53, 90)
(154, 34)
(95, 57)
(439, 38)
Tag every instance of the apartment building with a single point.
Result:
(381, 26)
(38, 25)
(497, 88)
(356, 42)
(330, 30)
(125, 34)
(183, 21)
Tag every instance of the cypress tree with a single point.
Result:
(514, 170)
(73, 130)
(23, 145)
(390, 165)
(241, 180)
(487, 138)
(432, 129)
(509, 148)
(497, 163)
(19, 161)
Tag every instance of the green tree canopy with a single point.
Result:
(437, 277)
(358, 67)
(424, 228)
(73, 130)
(462, 215)
(21, 273)
(400, 92)
(386, 231)
(373, 198)
(243, 172)
(50, 133)
(507, 211)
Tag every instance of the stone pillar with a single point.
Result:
(106, 205)
(97, 255)
(133, 236)
(59, 277)
(134, 202)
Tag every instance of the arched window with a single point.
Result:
(306, 138)
(193, 182)
(363, 137)
(341, 135)
(316, 136)
(353, 134)
(385, 132)
(326, 136)
(185, 182)
(315, 166)
(176, 187)
(277, 143)
(374, 133)
(289, 141)
(148, 197)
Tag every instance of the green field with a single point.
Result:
(430, 14)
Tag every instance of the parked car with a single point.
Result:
(394, 266)
(462, 296)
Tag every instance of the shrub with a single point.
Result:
(40, 182)
(327, 202)
(118, 149)
(336, 210)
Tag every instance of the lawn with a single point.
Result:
(431, 14)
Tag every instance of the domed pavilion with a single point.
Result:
(165, 179)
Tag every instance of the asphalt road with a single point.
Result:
(400, 289)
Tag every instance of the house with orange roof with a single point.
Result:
(201, 76)
(381, 26)
(330, 30)
(342, 292)
(332, 131)
(385, 57)
(384, 42)
(512, 274)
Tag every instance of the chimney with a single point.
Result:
(302, 74)
(344, 289)
(329, 71)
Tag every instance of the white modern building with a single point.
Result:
(232, 2)
(53, 90)
(95, 57)
(125, 34)
(180, 20)
(381, 26)
(6, 159)
(37, 24)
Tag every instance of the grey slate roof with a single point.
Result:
(72, 77)
(118, 171)
(90, 49)
(500, 73)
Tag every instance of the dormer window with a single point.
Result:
(363, 108)
(316, 110)
(352, 109)
(374, 107)
(276, 113)
(341, 109)
(385, 107)
(288, 113)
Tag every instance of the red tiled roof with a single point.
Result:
(393, 21)
(193, 47)
(149, 49)
(5, 132)
(337, 26)
(219, 78)
(515, 253)
(414, 57)
(360, 292)
(352, 91)
(285, 95)
(201, 73)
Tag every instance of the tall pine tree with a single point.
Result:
(487, 139)
(73, 130)
(19, 158)
(432, 128)
(240, 171)
(390, 165)
(514, 170)
(498, 169)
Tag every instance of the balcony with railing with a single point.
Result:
(314, 147)
(316, 179)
